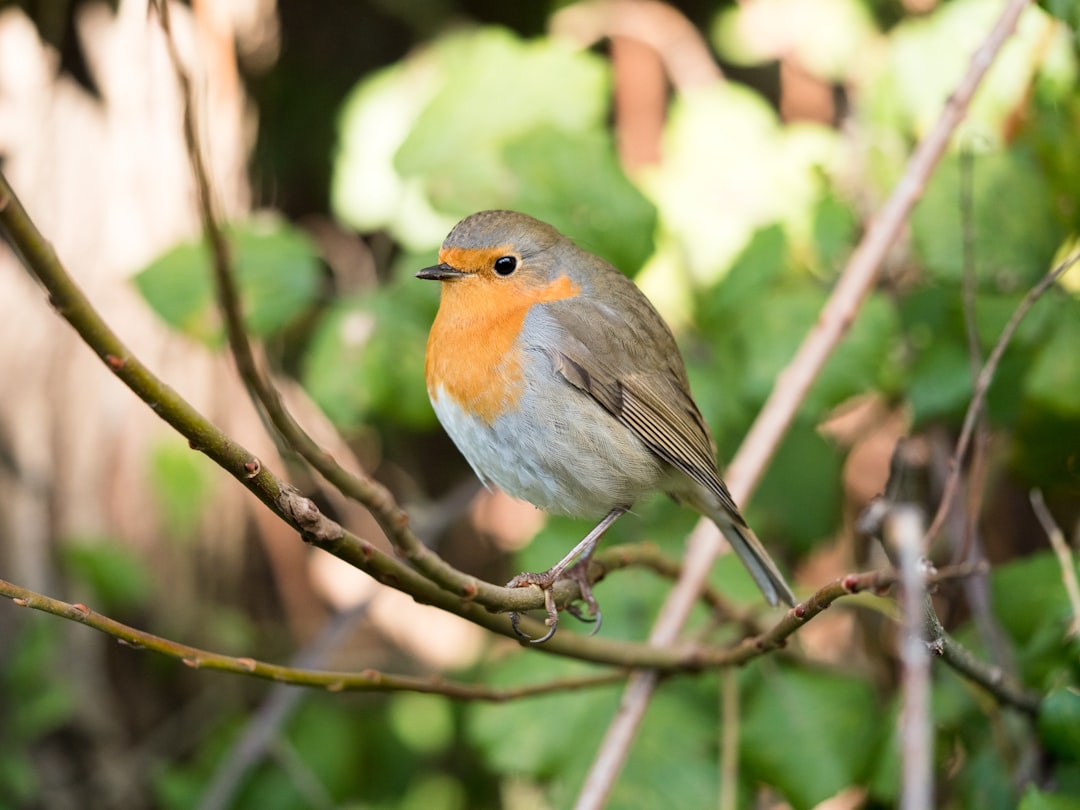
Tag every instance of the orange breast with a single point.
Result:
(472, 351)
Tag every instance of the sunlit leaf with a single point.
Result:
(277, 273)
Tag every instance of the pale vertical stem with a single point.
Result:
(903, 533)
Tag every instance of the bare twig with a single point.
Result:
(368, 680)
(995, 679)
(1064, 555)
(683, 658)
(903, 533)
(791, 388)
(362, 488)
(982, 385)
(990, 677)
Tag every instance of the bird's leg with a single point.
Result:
(547, 579)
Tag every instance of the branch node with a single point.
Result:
(305, 515)
(247, 663)
(252, 467)
(114, 362)
(21, 602)
(194, 663)
(81, 609)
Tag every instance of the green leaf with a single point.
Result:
(712, 200)
(1028, 594)
(277, 274)
(42, 700)
(514, 741)
(574, 181)
(809, 733)
(749, 282)
(497, 87)
(118, 577)
(1036, 799)
(799, 498)
(941, 384)
(1012, 252)
(366, 358)
(1059, 722)
(422, 722)
(1054, 379)
(182, 481)
(863, 361)
(673, 760)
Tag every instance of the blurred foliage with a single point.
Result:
(738, 235)
(277, 274)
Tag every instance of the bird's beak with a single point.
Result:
(440, 272)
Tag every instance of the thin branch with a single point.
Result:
(368, 680)
(991, 677)
(365, 490)
(1064, 555)
(473, 600)
(791, 389)
(903, 533)
(684, 658)
(982, 386)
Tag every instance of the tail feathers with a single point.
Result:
(757, 561)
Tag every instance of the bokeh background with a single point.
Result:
(728, 156)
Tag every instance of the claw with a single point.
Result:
(579, 572)
(546, 582)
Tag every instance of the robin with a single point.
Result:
(562, 385)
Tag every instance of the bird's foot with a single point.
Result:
(546, 582)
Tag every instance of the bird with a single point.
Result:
(562, 385)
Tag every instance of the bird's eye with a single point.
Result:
(505, 265)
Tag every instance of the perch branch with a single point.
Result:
(365, 490)
(474, 600)
(685, 659)
(791, 388)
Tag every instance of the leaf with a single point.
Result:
(800, 495)
(1012, 252)
(574, 181)
(497, 87)
(730, 169)
(673, 760)
(119, 579)
(1028, 594)
(1054, 378)
(941, 384)
(454, 149)
(1059, 722)
(1036, 799)
(277, 274)
(544, 736)
(865, 359)
(809, 733)
(182, 482)
(366, 358)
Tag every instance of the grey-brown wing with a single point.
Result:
(633, 369)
